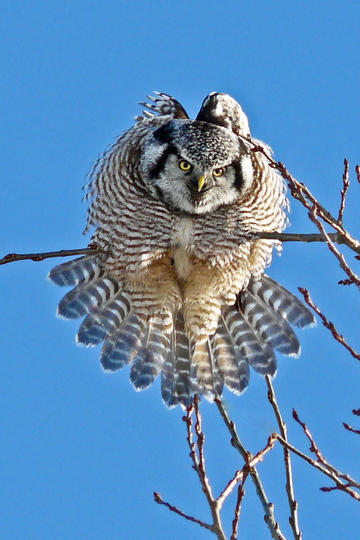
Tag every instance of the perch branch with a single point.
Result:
(12, 257)
(282, 237)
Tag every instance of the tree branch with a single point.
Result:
(268, 507)
(328, 324)
(13, 257)
(293, 504)
(159, 500)
(282, 237)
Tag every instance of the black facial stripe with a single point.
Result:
(159, 165)
(239, 179)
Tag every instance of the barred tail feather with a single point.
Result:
(177, 386)
(233, 367)
(269, 325)
(151, 356)
(88, 297)
(257, 353)
(121, 347)
(204, 369)
(107, 320)
(282, 301)
(157, 343)
(76, 271)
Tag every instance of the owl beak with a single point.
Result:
(201, 182)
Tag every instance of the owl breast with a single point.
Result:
(182, 241)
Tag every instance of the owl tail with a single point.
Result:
(247, 334)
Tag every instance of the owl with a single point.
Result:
(178, 288)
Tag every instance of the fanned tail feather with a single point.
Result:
(204, 369)
(151, 355)
(282, 301)
(121, 347)
(76, 271)
(88, 297)
(269, 325)
(257, 353)
(246, 335)
(105, 321)
(233, 367)
(177, 386)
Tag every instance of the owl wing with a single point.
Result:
(247, 334)
(163, 105)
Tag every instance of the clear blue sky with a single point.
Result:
(81, 452)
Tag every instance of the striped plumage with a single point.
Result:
(177, 291)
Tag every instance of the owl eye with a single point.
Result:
(185, 165)
(218, 172)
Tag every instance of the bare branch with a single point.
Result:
(349, 428)
(340, 257)
(357, 170)
(267, 506)
(293, 504)
(328, 324)
(240, 498)
(342, 481)
(199, 464)
(239, 475)
(158, 499)
(12, 257)
(346, 185)
(356, 412)
(300, 192)
(198, 459)
(334, 476)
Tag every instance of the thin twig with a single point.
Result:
(158, 499)
(346, 185)
(350, 428)
(328, 324)
(12, 257)
(357, 170)
(341, 486)
(356, 412)
(239, 475)
(343, 482)
(293, 504)
(239, 500)
(198, 459)
(199, 464)
(267, 506)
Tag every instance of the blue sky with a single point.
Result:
(81, 452)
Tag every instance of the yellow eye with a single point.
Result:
(185, 165)
(218, 172)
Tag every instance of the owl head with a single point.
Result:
(195, 167)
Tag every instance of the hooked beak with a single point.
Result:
(201, 182)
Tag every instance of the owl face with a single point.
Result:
(195, 167)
